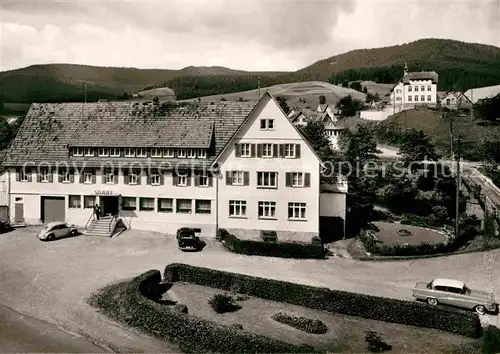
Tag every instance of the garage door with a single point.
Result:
(53, 209)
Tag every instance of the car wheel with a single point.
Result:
(432, 301)
(51, 237)
(480, 309)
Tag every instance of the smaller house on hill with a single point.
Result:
(450, 99)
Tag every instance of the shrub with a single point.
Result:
(269, 236)
(352, 304)
(316, 241)
(223, 303)
(126, 302)
(271, 249)
(375, 342)
(302, 323)
(181, 308)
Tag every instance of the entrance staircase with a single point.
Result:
(104, 227)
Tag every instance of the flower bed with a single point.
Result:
(302, 323)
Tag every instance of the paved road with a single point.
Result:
(51, 280)
(23, 334)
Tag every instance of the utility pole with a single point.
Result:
(457, 197)
(258, 87)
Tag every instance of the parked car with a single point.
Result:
(187, 239)
(57, 229)
(5, 226)
(455, 293)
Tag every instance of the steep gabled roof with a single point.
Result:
(422, 75)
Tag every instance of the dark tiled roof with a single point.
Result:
(50, 128)
(423, 75)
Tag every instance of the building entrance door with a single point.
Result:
(110, 205)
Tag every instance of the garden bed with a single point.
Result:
(394, 234)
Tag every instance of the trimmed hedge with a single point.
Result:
(129, 303)
(303, 323)
(410, 313)
(271, 249)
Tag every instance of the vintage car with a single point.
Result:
(187, 239)
(57, 229)
(455, 293)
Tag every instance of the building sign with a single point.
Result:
(105, 192)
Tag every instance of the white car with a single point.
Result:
(57, 229)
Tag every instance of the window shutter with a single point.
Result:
(94, 177)
(122, 152)
(29, 176)
(246, 178)
(18, 174)
(237, 150)
(139, 176)
(148, 152)
(175, 179)
(95, 150)
(188, 180)
(162, 178)
(103, 176)
(197, 180)
(275, 150)
(51, 176)
(259, 150)
(115, 178)
(60, 176)
(148, 177)
(72, 177)
(229, 181)
(288, 178)
(297, 151)
(81, 178)
(282, 150)
(210, 181)
(38, 175)
(252, 150)
(307, 179)
(125, 176)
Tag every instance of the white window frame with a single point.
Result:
(415, 98)
(77, 151)
(290, 150)
(410, 89)
(410, 98)
(156, 152)
(203, 180)
(429, 88)
(191, 153)
(268, 124)
(202, 153)
(415, 89)
(44, 175)
(297, 179)
(181, 153)
(103, 152)
(109, 178)
(87, 177)
(237, 208)
(129, 152)
(245, 150)
(429, 98)
(87, 197)
(75, 197)
(88, 152)
(267, 148)
(141, 152)
(422, 98)
(422, 88)
(133, 178)
(296, 211)
(155, 179)
(23, 176)
(65, 177)
(261, 179)
(166, 210)
(268, 210)
(237, 178)
(182, 181)
(114, 152)
(149, 209)
(178, 210)
(168, 153)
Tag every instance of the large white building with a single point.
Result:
(414, 88)
(233, 165)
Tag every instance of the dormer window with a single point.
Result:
(168, 153)
(156, 153)
(77, 151)
(181, 153)
(267, 124)
(129, 152)
(88, 152)
(114, 152)
(103, 152)
(141, 152)
(202, 153)
(191, 153)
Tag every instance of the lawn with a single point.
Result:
(344, 334)
(388, 233)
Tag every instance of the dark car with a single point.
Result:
(187, 239)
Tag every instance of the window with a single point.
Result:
(203, 180)
(64, 177)
(75, 202)
(156, 153)
(114, 152)
(429, 88)
(416, 98)
(181, 153)
(155, 179)
(440, 288)
(267, 150)
(409, 88)
(297, 211)
(168, 153)
(202, 153)
(237, 208)
(132, 178)
(87, 177)
(141, 152)
(103, 152)
(129, 203)
(88, 152)
(109, 177)
(428, 97)
(191, 153)
(166, 205)
(146, 204)
(267, 179)
(267, 210)
(398, 98)
(88, 201)
(184, 205)
(245, 150)
(409, 98)
(422, 98)
(129, 152)
(290, 150)
(44, 175)
(267, 124)
(416, 89)
(203, 206)
(398, 91)
(297, 179)
(23, 175)
(77, 151)
(237, 178)
(182, 181)
(422, 88)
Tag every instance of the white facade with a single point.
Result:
(414, 93)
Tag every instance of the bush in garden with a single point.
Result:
(181, 308)
(303, 323)
(375, 342)
(223, 303)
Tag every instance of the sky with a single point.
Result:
(239, 34)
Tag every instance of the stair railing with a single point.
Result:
(111, 222)
(91, 218)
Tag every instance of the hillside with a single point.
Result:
(300, 94)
